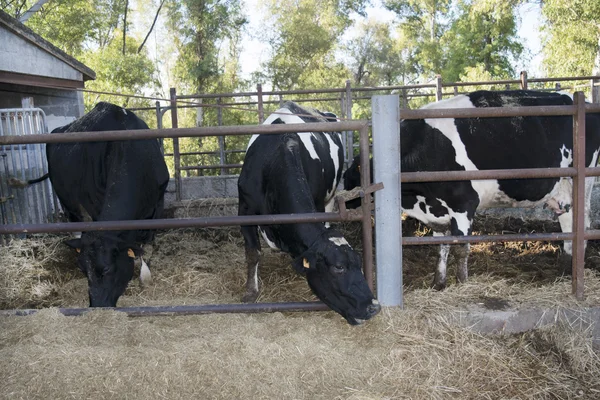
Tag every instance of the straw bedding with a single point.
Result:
(415, 353)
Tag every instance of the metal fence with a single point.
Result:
(342, 99)
(36, 204)
(341, 215)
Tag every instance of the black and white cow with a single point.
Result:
(299, 173)
(108, 181)
(488, 143)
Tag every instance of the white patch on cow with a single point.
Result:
(427, 217)
(565, 93)
(486, 189)
(329, 208)
(77, 235)
(124, 112)
(568, 160)
(443, 260)
(339, 241)
(254, 282)
(145, 275)
(269, 242)
(333, 154)
(288, 118)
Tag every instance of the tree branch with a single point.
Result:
(151, 27)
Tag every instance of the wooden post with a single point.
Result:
(524, 80)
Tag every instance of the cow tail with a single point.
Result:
(17, 183)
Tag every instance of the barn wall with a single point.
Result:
(60, 106)
(21, 56)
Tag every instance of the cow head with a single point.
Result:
(108, 264)
(333, 271)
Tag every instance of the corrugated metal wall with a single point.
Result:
(35, 203)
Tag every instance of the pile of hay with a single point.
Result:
(398, 355)
(416, 353)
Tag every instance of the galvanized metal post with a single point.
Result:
(176, 156)
(261, 113)
(388, 232)
(222, 156)
(578, 248)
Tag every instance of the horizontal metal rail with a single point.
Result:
(268, 219)
(494, 112)
(513, 237)
(442, 176)
(216, 166)
(183, 132)
(188, 310)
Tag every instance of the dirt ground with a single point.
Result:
(413, 353)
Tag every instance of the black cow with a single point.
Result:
(108, 181)
(489, 143)
(298, 173)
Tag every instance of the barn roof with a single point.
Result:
(17, 28)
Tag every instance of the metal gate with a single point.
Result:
(35, 203)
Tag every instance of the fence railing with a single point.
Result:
(345, 97)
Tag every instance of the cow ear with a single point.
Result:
(306, 262)
(135, 251)
(74, 244)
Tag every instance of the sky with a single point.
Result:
(254, 51)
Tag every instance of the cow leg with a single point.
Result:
(439, 280)
(566, 225)
(462, 254)
(252, 247)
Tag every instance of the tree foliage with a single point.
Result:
(571, 37)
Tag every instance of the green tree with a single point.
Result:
(422, 23)
(303, 38)
(376, 57)
(571, 43)
(482, 37)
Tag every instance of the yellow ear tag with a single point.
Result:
(305, 263)
(130, 253)
(78, 250)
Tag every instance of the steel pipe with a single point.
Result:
(182, 132)
(155, 311)
(487, 112)
(528, 173)
(178, 223)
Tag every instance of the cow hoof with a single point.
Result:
(250, 297)
(438, 286)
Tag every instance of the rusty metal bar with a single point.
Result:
(261, 112)
(239, 130)
(441, 176)
(578, 249)
(176, 157)
(268, 219)
(215, 166)
(514, 237)
(155, 311)
(365, 181)
(487, 112)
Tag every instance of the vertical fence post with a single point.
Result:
(438, 88)
(557, 86)
(455, 90)
(261, 112)
(523, 80)
(222, 155)
(578, 195)
(367, 229)
(594, 91)
(159, 125)
(176, 156)
(388, 232)
(349, 152)
(404, 98)
(343, 135)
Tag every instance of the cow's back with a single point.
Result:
(113, 180)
